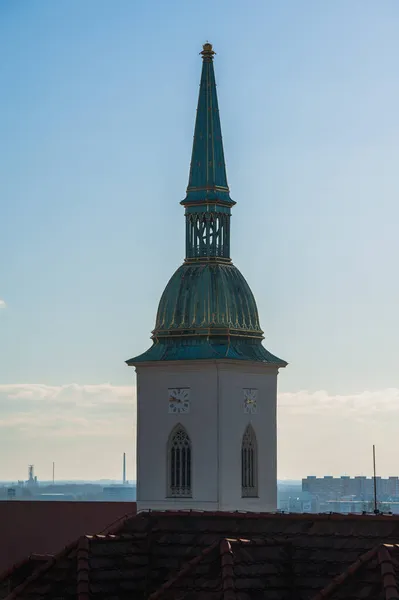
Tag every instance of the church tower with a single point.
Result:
(207, 388)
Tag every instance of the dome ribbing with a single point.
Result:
(207, 299)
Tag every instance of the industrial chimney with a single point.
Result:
(124, 468)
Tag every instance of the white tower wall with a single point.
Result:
(215, 422)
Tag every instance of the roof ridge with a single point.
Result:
(83, 567)
(228, 576)
(351, 570)
(186, 568)
(260, 540)
(40, 570)
(115, 525)
(34, 556)
(387, 572)
(79, 543)
(271, 515)
(116, 536)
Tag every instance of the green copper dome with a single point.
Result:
(207, 310)
(207, 299)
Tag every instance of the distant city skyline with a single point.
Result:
(97, 122)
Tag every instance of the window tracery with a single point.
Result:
(179, 467)
(249, 464)
(207, 235)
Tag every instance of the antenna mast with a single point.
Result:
(376, 511)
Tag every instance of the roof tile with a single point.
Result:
(165, 555)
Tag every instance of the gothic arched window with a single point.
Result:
(179, 463)
(249, 464)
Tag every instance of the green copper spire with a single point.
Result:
(208, 181)
(208, 201)
(207, 311)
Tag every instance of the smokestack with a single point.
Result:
(53, 471)
(124, 468)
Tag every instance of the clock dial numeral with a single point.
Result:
(250, 403)
(179, 400)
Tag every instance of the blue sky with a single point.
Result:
(96, 117)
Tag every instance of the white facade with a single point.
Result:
(216, 400)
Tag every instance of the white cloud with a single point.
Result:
(323, 434)
(318, 433)
(2, 303)
(360, 404)
(86, 395)
(84, 428)
(71, 409)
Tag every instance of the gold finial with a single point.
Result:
(207, 52)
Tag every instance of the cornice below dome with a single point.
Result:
(201, 348)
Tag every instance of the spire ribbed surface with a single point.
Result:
(207, 179)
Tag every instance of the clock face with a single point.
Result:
(179, 400)
(250, 400)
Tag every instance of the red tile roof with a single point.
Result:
(32, 527)
(229, 556)
(374, 574)
(18, 573)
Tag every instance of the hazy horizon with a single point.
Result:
(97, 118)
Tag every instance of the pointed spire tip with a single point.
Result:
(207, 52)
